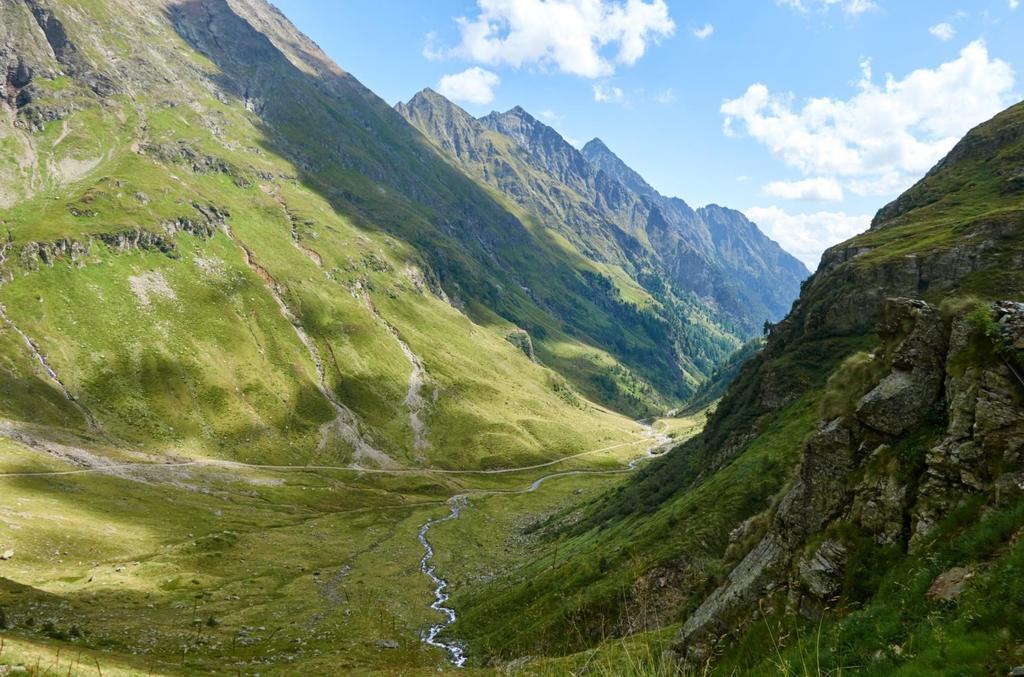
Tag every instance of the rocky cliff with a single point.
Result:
(949, 383)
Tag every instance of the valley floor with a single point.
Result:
(128, 567)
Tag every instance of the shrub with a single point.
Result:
(851, 381)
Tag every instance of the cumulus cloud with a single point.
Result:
(703, 32)
(1014, 4)
(581, 37)
(810, 190)
(473, 85)
(852, 8)
(605, 93)
(807, 236)
(943, 31)
(431, 52)
(885, 136)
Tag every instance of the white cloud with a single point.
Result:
(580, 37)
(473, 85)
(666, 95)
(885, 136)
(605, 93)
(704, 32)
(853, 8)
(1014, 4)
(550, 116)
(811, 190)
(943, 31)
(807, 236)
(431, 52)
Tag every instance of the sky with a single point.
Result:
(807, 115)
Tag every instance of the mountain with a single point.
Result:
(855, 499)
(709, 263)
(753, 277)
(382, 303)
(536, 189)
(677, 235)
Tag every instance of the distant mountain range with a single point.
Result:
(713, 255)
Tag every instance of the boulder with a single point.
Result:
(903, 398)
(948, 585)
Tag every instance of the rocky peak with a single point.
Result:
(604, 159)
(426, 99)
(545, 146)
(448, 125)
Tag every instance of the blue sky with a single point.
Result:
(807, 115)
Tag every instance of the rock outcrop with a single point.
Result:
(944, 381)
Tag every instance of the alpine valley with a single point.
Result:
(293, 381)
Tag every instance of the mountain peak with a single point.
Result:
(426, 98)
(521, 112)
(428, 93)
(602, 157)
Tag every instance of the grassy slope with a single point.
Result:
(212, 367)
(544, 608)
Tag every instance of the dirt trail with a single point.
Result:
(40, 444)
(414, 400)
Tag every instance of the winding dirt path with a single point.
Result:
(346, 424)
(213, 462)
(37, 354)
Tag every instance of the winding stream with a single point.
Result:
(458, 656)
(660, 442)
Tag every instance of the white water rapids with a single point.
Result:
(458, 656)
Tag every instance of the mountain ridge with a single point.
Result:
(622, 198)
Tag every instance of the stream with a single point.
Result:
(660, 442)
(458, 656)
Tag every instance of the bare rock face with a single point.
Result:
(821, 572)
(901, 400)
(881, 500)
(1011, 321)
(985, 434)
